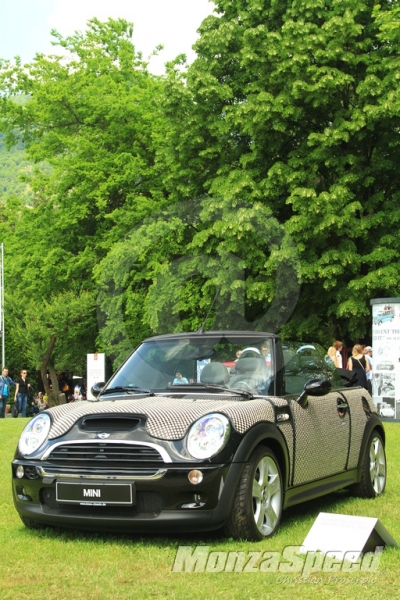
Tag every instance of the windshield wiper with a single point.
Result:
(134, 389)
(212, 386)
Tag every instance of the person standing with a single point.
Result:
(368, 356)
(331, 356)
(339, 360)
(266, 354)
(358, 363)
(5, 382)
(21, 392)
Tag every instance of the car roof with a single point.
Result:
(213, 334)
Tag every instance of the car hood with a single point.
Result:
(168, 418)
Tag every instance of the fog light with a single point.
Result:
(195, 477)
(20, 472)
(31, 472)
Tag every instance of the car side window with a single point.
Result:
(304, 362)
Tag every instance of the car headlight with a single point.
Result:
(208, 436)
(34, 434)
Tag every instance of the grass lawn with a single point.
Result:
(65, 564)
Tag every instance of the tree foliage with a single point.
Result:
(88, 127)
(14, 171)
(262, 180)
(294, 105)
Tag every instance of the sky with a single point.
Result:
(25, 25)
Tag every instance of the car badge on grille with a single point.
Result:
(103, 436)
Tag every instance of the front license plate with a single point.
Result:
(102, 494)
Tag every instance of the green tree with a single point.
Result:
(88, 128)
(294, 105)
(14, 171)
(193, 256)
(54, 335)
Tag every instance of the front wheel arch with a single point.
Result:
(269, 436)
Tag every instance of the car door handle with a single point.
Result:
(342, 407)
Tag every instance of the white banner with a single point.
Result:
(386, 356)
(95, 371)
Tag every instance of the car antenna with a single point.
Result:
(201, 330)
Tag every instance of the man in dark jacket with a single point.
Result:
(5, 382)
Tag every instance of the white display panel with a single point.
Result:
(95, 371)
(386, 356)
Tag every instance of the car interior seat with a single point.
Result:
(215, 372)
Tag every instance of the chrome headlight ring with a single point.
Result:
(208, 436)
(34, 434)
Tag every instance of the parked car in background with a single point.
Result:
(211, 449)
(387, 411)
(383, 316)
(385, 365)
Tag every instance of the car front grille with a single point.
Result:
(103, 455)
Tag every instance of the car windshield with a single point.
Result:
(233, 362)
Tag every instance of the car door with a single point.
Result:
(322, 426)
(321, 437)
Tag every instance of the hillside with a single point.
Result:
(13, 166)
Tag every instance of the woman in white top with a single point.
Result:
(339, 360)
(41, 402)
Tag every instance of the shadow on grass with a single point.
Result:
(141, 539)
(311, 508)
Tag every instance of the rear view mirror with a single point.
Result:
(314, 387)
(97, 388)
(317, 387)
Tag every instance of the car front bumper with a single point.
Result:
(168, 502)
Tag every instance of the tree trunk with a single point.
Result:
(54, 396)
(43, 366)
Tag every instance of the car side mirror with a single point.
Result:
(314, 387)
(97, 388)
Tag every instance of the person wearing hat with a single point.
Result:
(368, 356)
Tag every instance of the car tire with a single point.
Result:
(31, 524)
(373, 477)
(258, 501)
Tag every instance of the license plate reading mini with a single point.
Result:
(95, 493)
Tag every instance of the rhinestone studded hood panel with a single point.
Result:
(168, 418)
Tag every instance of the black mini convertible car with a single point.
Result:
(200, 431)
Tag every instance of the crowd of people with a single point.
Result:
(22, 400)
(360, 362)
(22, 388)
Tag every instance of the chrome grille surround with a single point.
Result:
(163, 454)
(136, 474)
